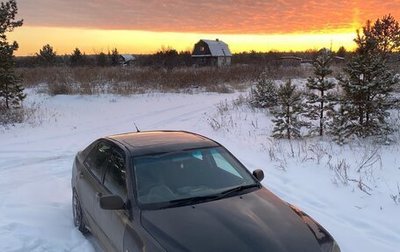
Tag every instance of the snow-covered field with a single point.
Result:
(36, 161)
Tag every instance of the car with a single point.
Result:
(181, 191)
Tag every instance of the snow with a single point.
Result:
(36, 162)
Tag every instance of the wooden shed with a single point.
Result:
(211, 53)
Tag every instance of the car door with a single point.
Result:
(113, 222)
(90, 179)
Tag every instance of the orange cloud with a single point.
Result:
(207, 16)
(143, 26)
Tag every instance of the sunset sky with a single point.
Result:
(144, 26)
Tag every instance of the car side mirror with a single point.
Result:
(259, 174)
(112, 202)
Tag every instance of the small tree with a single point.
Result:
(287, 122)
(341, 52)
(340, 127)
(10, 89)
(264, 95)
(319, 100)
(167, 57)
(114, 57)
(47, 55)
(76, 58)
(101, 59)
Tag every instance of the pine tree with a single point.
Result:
(368, 85)
(287, 122)
(76, 58)
(340, 127)
(319, 99)
(47, 55)
(264, 95)
(11, 91)
(386, 34)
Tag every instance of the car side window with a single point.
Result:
(96, 161)
(115, 177)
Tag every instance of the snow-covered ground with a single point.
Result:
(36, 161)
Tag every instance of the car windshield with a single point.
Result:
(189, 177)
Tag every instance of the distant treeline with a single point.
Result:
(47, 57)
(168, 58)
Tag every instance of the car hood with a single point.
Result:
(256, 221)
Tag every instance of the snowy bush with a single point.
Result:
(32, 114)
(396, 196)
(11, 116)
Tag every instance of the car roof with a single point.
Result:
(162, 141)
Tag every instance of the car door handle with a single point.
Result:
(98, 195)
(81, 175)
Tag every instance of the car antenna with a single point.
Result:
(137, 129)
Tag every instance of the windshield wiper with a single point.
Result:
(237, 189)
(200, 199)
(190, 201)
